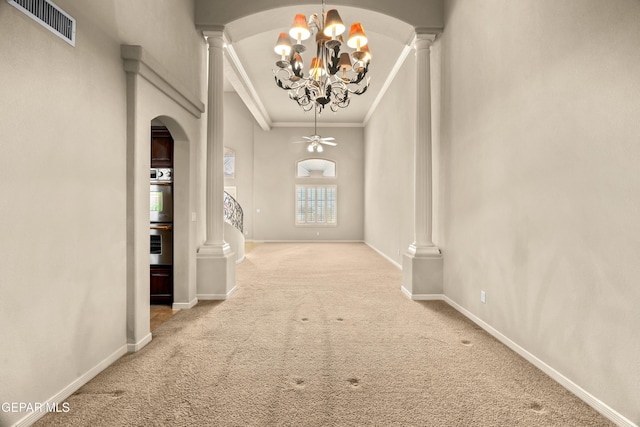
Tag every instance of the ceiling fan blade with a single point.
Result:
(328, 143)
(328, 138)
(308, 138)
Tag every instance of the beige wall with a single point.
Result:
(275, 158)
(541, 143)
(265, 176)
(538, 151)
(63, 156)
(238, 135)
(389, 145)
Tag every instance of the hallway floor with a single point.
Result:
(328, 343)
(161, 313)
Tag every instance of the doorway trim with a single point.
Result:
(153, 93)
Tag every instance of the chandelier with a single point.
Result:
(333, 75)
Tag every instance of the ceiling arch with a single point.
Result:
(423, 15)
(252, 27)
(280, 19)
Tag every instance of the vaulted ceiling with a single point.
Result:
(250, 61)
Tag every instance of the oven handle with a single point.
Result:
(161, 182)
(161, 227)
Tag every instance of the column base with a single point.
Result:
(216, 274)
(422, 276)
(423, 251)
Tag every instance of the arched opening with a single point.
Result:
(169, 235)
(315, 168)
(179, 112)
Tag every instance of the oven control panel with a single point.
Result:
(161, 175)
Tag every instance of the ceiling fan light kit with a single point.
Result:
(315, 141)
(333, 75)
(315, 146)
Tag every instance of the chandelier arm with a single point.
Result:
(282, 85)
(333, 66)
(359, 77)
(322, 86)
(359, 91)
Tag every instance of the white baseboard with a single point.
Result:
(132, 348)
(238, 261)
(422, 297)
(574, 388)
(309, 241)
(59, 397)
(385, 256)
(214, 297)
(184, 305)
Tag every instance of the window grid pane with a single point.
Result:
(331, 205)
(316, 204)
(311, 205)
(320, 205)
(300, 205)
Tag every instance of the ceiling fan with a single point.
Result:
(316, 140)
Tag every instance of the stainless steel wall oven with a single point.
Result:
(161, 216)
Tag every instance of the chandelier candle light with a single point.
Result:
(332, 75)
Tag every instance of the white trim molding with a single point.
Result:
(132, 348)
(383, 255)
(422, 297)
(239, 79)
(319, 125)
(387, 83)
(138, 61)
(184, 305)
(217, 297)
(574, 388)
(59, 397)
(308, 241)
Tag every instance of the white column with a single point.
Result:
(215, 261)
(214, 241)
(422, 265)
(423, 163)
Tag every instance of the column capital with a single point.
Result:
(215, 38)
(423, 41)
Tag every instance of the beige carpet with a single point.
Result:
(320, 335)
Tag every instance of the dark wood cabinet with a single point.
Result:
(161, 284)
(161, 147)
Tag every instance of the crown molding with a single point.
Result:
(420, 34)
(319, 124)
(387, 83)
(136, 60)
(239, 79)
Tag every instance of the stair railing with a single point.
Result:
(233, 211)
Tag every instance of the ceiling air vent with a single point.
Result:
(49, 15)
